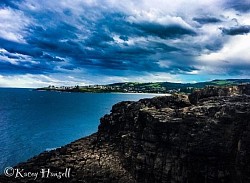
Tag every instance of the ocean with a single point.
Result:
(34, 121)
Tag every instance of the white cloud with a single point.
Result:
(155, 17)
(15, 58)
(146, 77)
(164, 63)
(235, 51)
(232, 59)
(12, 25)
(39, 80)
(181, 7)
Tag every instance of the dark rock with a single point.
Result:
(215, 91)
(244, 89)
(212, 91)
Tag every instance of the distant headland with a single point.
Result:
(151, 87)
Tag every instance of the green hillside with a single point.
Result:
(176, 87)
(151, 87)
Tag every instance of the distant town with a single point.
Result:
(152, 87)
(109, 89)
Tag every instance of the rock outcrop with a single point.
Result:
(163, 139)
(214, 91)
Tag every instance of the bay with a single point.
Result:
(34, 121)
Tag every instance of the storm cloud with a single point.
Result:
(239, 30)
(125, 40)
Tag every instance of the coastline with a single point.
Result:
(79, 116)
(174, 138)
(160, 94)
(156, 94)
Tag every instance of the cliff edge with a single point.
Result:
(179, 139)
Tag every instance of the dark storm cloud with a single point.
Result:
(53, 39)
(21, 48)
(214, 46)
(242, 5)
(19, 52)
(24, 68)
(164, 31)
(62, 37)
(237, 68)
(7, 68)
(117, 23)
(48, 38)
(239, 30)
(207, 20)
(68, 67)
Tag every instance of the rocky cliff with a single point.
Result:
(212, 91)
(164, 139)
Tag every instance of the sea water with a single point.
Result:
(34, 121)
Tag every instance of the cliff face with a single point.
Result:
(212, 91)
(164, 139)
(180, 142)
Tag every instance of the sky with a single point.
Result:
(83, 42)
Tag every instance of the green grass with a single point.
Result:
(222, 82)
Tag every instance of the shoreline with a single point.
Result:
(55, 96)
(158, 94)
